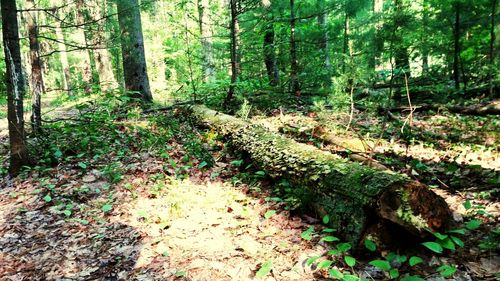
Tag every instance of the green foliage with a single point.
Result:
(264, 270)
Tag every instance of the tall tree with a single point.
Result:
(456, 44)
(15, 87)
(132, 41)
(493, 69)
(206, 40)
(324, 45)
(294, 75)
(425, 35)
(268, 47)
(90, 74)
(63, 56)
(235, 60)
(401, 56)
(37, 85)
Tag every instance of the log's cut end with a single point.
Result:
(414, 207)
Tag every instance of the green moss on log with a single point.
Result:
(348, 192)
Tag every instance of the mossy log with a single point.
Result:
(352, 194)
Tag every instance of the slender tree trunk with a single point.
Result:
(345, 50)
(235, 61)
(269, 53)
(456, 45)
(206, 35)
(63, 55)
(493, 68)
(15, 87)
(324, 45)
(89, 73)
(134, 58)
(401, 57)
(37, 86)
(293, 52)
(378, 42)
(102, 54)
(425, 41)
(113, 28)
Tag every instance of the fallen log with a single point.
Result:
(353, 195)
(491, 108)
(357, 149)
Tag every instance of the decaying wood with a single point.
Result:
(357, 149)
(353, 195)
(491, 108)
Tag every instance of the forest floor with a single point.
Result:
(153, 198)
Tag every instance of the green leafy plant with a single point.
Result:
(264, 269)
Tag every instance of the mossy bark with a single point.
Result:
(353, 195)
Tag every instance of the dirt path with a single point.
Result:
(194, 231)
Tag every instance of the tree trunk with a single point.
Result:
(425, 36)
(401, 57)
(324, 45)
(63, 55)
(206, 35)
(377, 41)
(456, 45)
(90, 74)
(235, 61)
(134, 58)
(353, 195)
(113, 28)
(37, 86)
(493, 69)
(294, 76)
(269, 53)
(15, 87)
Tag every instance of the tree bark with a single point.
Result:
(15, 87)
(37, 85)
(235, 61)
(294, 75)
(353, 195)
(134, 59)
(206, 35)
(269, 53)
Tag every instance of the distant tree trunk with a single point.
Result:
(294, 76)
(377, 41)
(113, 28)
(90, 75)
(456, 45)
(269, 53)
(345, 50)
(235, 61)
(401, 57)
(103, 56)
(206, 34)
(324, 45)
(425, 35)
(134, 58)
(15, 87)
(493, 69)
(63, 55)
(37, 86)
